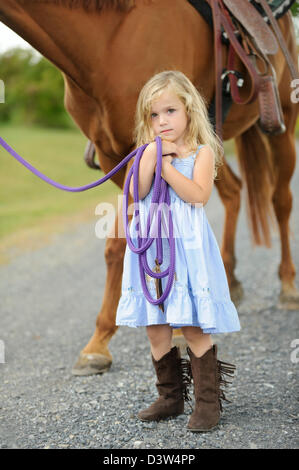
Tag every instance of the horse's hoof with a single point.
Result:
(236, 292)
(90, 364)
(289, 300)
(181, 343)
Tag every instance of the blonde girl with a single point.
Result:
(199, 302)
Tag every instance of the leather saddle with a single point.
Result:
(240, 25)
(244, 27)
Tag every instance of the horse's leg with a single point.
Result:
(267, 164)
(284, 154)
(229, 188)
(178, 339)
(284, 157)
(95, 357)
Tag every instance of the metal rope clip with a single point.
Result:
(240, 80)
(224, 36)
(158, 283)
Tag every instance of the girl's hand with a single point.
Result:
(169, 148)
(167, 158)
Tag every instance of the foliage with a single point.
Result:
(34, 91)
(295, 9)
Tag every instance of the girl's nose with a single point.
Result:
(163, 119)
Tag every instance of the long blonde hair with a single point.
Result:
(199, 127)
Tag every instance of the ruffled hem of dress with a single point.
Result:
(211, 315)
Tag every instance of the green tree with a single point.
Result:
(34, 90)
(295, 9)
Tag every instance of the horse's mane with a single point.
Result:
(123, 5)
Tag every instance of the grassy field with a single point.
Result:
(30, 209)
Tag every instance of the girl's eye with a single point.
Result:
(153, 115)
(171, 110)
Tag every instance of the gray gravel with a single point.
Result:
(49, 302)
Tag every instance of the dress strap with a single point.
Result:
(196, 152)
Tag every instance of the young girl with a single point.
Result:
(199, 302)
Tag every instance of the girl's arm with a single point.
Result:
(147, 168)
(199, 189)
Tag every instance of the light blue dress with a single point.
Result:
(199, 295)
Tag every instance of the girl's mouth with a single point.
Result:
(167, 130)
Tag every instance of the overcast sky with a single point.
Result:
(9, 39)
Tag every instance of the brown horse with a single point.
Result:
(106, 51)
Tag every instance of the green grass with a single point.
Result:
(25, 200)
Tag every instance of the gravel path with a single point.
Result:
(49, 302)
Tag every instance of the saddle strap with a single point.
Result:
(218, 64)
(219, 19)
(271, 119)
(254, 75)
(89, 156)
(254, 24)
(289, 60)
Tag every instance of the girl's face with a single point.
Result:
(168, 117)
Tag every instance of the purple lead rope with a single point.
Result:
(160, 197)
(62, 186)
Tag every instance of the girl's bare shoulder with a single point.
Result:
(203, 149)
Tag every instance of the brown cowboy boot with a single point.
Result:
(207, 374)
(174, 376)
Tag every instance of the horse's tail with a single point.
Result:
(257, 171)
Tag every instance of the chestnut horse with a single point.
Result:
(106, 51)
